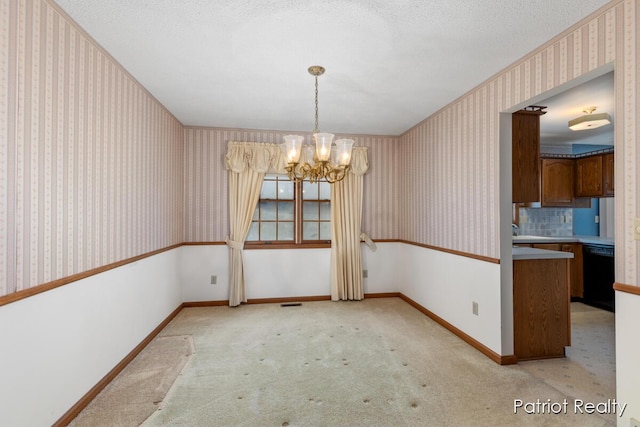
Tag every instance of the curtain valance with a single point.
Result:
(260, 157)
(266, 157)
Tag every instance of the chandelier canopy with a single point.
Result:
(330, 162)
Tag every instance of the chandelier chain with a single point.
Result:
(315, 130)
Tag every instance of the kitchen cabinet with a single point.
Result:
(576, 272)
(541, 312)
(525, 129)
(607, 175)
(576, 276)
(594, 176)
(558, 184)
(558, 177)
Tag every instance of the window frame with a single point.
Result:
(297, 242)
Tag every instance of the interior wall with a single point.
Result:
(281, 273)
(627, 350)
(439, 281)
(205, 204)
(90, 163)
(81, 331)
(453, 180)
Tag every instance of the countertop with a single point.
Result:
(522, 253)
(564, 239)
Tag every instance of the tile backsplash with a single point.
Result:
(546, 221)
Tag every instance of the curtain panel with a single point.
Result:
(346, 220)
(247, 163)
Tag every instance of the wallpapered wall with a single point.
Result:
(451, 191)
(206, 208)
(90, 163)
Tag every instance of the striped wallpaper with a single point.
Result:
(90, 163)
(94, 170)
(206, 208)
(450, 193)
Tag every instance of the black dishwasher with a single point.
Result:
(599, 275)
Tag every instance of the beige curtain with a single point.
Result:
(346, 219)
(247, 163)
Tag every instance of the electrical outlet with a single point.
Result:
(474, 308)
(597, 219)
(365, 274)
(636, 229)
(214, 279)
(634, 422)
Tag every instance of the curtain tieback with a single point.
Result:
(368, 241)
(234, 245)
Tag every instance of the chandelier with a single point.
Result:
(330, 162)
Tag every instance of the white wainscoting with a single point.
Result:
(448, 284)
(58, 344)
(627, 351)
(279, 273)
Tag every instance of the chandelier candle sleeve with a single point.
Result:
(323, 145)
(344, 147)
(292, 147)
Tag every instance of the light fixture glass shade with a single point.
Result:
(309, 151)
(344, 147)
(590, 121)
(323, 145)
(292, 147)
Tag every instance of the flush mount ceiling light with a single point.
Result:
(590, 120)
(330, 163)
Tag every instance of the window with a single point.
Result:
(291, 213)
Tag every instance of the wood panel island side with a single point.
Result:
(541, 303)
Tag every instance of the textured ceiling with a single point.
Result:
(390, 63)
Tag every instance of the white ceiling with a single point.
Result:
(568, 105)
(390, 63)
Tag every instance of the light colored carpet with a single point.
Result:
(135, 394)
(378, 362)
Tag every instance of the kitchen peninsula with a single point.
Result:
(541, 312)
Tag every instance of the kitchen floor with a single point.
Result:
(588, 372)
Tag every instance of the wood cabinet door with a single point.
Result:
(558, 177)
(589, 176)
(525, 128)
(607, 175)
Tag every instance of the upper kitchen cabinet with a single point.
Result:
(558, 182)
(525, 128)
(607, 175)
(589, 176)
(594, 176)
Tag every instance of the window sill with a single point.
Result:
(265, 245)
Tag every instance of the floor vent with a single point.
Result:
(290, 304)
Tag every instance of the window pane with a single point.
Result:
(267, 231)
(285, 211)
(285, 231)
(310, 231)
(325, 231)
(268, 210)
(309, 191)
(256, 213)
(325, 190)
(268, 190)
(325, 211)
(253, 232)
(285, 190)
(310, 211)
